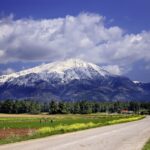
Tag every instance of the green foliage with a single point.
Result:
(53, 107)
(80, 107)
(147, 145)
(65, 128)
(125, 119)
(78, 126)
(56, 124)
(16, 107)
(55, 120)
(62, 108)
(85, 107)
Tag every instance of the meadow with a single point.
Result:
(15, 128)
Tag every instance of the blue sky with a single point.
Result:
(115, 33)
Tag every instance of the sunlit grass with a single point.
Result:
(147, 145)
(65, 128)
(126, 119)
(58, 124)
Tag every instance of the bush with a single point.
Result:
(65, 128)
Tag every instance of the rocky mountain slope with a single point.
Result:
(72, 79)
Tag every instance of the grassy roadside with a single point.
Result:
(147, 145)
(61, 124)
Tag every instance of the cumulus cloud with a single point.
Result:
(8, 71)
(114, 69)
(84, 36)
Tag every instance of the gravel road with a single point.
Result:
(126, 136)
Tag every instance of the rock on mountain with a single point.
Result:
(72, 79)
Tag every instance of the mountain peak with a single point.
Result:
(71, 63)
(71, 79)
(70, 68)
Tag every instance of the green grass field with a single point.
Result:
(147, 146)
(15, 128)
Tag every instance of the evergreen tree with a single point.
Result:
(53, 107)
(62, 108)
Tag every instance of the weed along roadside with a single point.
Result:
(15, 129)
(147, 145)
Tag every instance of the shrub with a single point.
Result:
(65, 128)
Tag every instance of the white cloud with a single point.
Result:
(1, 53)
(8, 71)
(84, 36)
(114, 69)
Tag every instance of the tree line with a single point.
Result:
(80, 107)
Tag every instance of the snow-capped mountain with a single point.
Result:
(73, 79)
(136, 82)
(65, 71)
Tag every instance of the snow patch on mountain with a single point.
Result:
(65, 70)
(136, 82)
